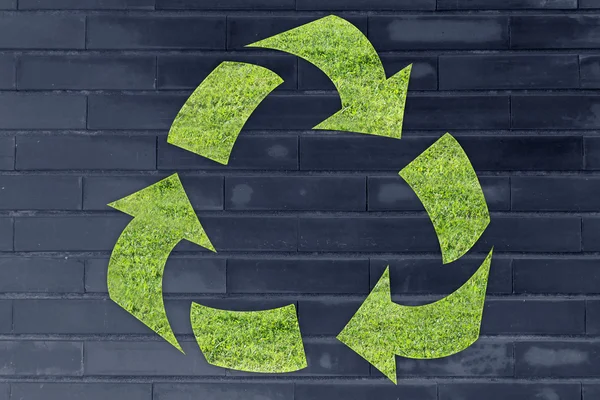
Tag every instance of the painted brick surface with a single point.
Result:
(89, 89)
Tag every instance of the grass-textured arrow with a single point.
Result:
(371, 103)
(163, 216)
(211, 119)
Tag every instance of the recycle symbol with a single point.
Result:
(270, 341)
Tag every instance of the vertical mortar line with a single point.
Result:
(84, 275)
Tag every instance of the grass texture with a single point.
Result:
(371, 103)
(211, 119)
(163, 216)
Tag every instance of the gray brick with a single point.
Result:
(541, 111)
(365, 391)
(430, 276)
(585, 4)
(68, 233)
(391, 33)
(41, 275)
(591, 391)
(589, 71)
(273, 152)
(592, 153)
(225, 5)
(391, 5)
(591, 233)
(51, 152)
(199, 275)
(510, 390)
(7, 153)
(40, 358)
(8, 4)
(170, 32)
(323, 276)
(40, 192)
(322, 193)
(326, 316)
(423, 75)
(4, 387)
(86, 4)
(7, 70)
(146, 358)
(86, 72)
(205, 193)
(243, 30)
(592, 317)
(485, 358)
(78, 391)
(42, 111)
(506, 4)
(564, 358)
(557, 276)
(509, 72)
(533, 317)
(188, 71)
(52, 31)
(554, 32)
(6, 312)
(6, 234)
(389, 193)
(229, 391)
(555, 193)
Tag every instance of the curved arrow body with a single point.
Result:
(381, 329)
(447, 185)
(211, 119)
(371, 103)
(163, 216)
(255, 341)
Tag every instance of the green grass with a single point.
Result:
(267, 341)
(447, 185)
(211, 119)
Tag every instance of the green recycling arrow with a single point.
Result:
(371, 103)
(382, 329)
(163, 216)
(267, 341)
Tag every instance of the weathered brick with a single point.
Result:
(7, 70)
(509, 390)
(323, 276)
(591, 391)
(41, 358)
(322, 193)
(364, 391)
(273, 152)
(390, 5)
(51, 152)
(5, 387)
(52, 31)
(6, 234)
(429, 275)
(6, 314)
(556, 276)
(591, 233)
(229, 391)
(225, 5)
(146, 358)
(423, 75)
(188, 71)
(390, 193)
(585, 4)
(42, 111)
(391, 33)
(589, 71)
(555, 111)
(86, 4)
(592, 153)
(326, 316)
(171, 32)
(182, 275)
(78, 391)
(205, 193)
(41, 275)
(554, 32)
(243, 30)
(509, 72)
(8, 4)
(7, 153)
(486, 153)
(555, 193)
(506, 4)
(533, 317)
(592, 317)
(564, 358)
(86, 72)
(40, 192)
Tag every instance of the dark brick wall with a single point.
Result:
(88, 90)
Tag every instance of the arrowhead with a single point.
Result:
(368, 330)
(166, 206)
(370, 103)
